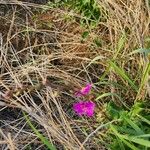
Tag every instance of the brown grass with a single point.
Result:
(43, 61)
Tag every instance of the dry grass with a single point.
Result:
(43, 61)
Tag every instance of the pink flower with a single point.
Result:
(84, 91)
(84, 108)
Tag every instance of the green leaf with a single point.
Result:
(144, 79)
(106, 95)
(120, 45)
(134, 126)
(144, 135)
(121, 42)
(113, 110)
(139, 141)
(117, 144)
(98, 42)
(134, 139)
(85, 34)
(136, 109)
(111, 94)
(123, 75)
(123, 139)
(144, 119)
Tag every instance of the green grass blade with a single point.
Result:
(111, 83)
(144, 78)
(121, 145)
(139, 141)
(120, 45)
(105, 73)
(122, 139)
(39, 135)
(134, 139)
(144, 135)
(111, 94)
(106, 95)
(123, 75)
(134, 126)
(130, 145)
(144, 119)
(121, 42)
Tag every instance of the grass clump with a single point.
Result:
(89, 10)
(132, 131)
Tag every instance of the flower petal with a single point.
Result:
(84, 91)
(84, 108)
(90, 108)
(78, 108)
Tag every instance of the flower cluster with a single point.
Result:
(84, 107)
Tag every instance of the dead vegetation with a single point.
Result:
(43, 59)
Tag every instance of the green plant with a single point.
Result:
(132, 132)
(89, 9)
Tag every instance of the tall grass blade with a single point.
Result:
(134, 126)
(122, 139)
(120, 45)
(111, 94)
(123, 75)
(144, 119)
(134, 139)
(144, 78)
